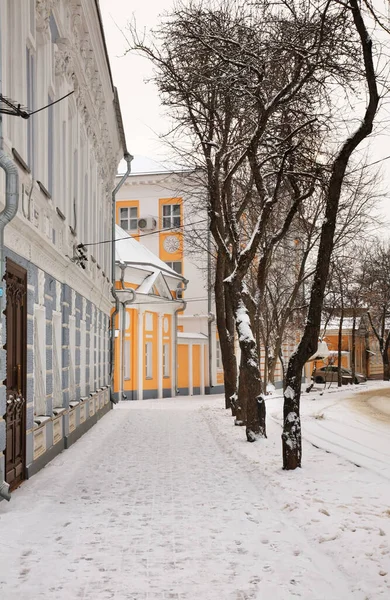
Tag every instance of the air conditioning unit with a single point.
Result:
(147, 223)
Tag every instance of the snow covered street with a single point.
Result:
(165, 499)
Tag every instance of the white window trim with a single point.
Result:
(148, 360)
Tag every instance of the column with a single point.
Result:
(160, 324)
(141, 353)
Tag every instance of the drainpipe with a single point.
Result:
(128, 158)
(210, 320)
(122, 394)
(210, 316)
(182, 306)
(7, 214)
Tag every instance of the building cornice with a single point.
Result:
(77, 61)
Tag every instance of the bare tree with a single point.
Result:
(377, 295)
(365, 73)
(247, 86)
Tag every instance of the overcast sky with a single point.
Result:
(140, 107)
(142, 115)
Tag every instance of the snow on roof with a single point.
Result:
(192, 336)
(155, 283)
(128, 250)
(347, 323)
(142, 165)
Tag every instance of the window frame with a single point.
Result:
(218, 356)
(172, 218)
(170, 264)
(129, 217)
(166, 363)
(148, 360)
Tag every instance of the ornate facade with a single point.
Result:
(55, 65)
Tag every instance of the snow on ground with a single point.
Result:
(340, 499)
(166, 499)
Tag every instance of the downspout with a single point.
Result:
(122, 395)
(128, 158)
(7, 214)
(211, 316)
(210, 321)
(182, 306)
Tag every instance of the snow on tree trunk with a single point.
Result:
(291, 436)
(353, 349)
(249, 387)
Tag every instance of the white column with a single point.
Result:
(160, 324)
(201, 358)
(141, 352)
(190, 370)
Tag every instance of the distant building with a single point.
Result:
(161, 207)
(57, 317)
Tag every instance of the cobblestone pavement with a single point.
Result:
(148, 505)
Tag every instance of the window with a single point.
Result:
(31, 106)
(83, 358)
(50, 145)
(129, 218)
(40, 360)
(166, 365)
(32, 18)
(176, 265)
(72, 358)
(92, 386)
(171, 216)
(57, 358)
(218, 356)
(148, 360)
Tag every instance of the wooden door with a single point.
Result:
(16, 346)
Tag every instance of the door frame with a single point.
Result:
(17, 270)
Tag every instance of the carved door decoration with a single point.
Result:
(16, 346)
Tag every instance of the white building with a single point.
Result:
(164, 209)
(54, 53)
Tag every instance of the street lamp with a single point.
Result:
(126, 296)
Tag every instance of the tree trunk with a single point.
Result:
(385, 360)
(225, 326)
(353, 349)
(249, 387)
(291, 436)
(340, 341)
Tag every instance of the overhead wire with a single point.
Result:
(139, 235)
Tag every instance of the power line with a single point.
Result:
(137, 235)
(34, 112)
(16, 110)
(164, 301)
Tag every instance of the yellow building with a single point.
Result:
(152, 358)
(163, 210)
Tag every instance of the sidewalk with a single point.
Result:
(151, 504)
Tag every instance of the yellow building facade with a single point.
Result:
(152, 358)
(160, 209)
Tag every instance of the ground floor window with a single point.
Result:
(218, 357)
(166, 364)
(149, 360)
